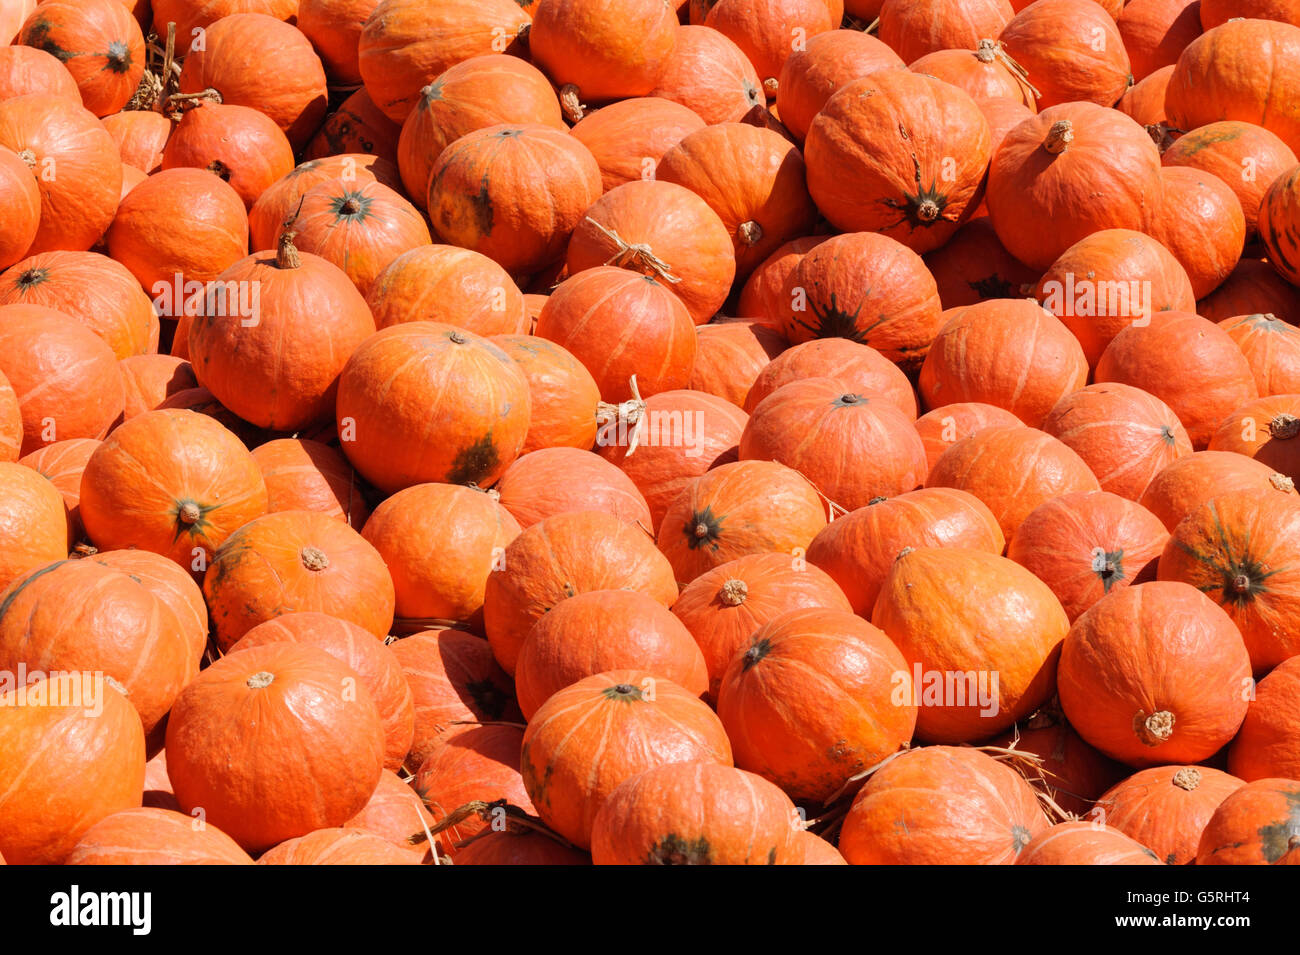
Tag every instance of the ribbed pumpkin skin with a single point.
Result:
(378, 670)
(343, 846)
(916, 29)
(1155, 674)
(711, 76)
(279, 369)
(605, 630)
(304, 475)
(1015, 355)
(441, 283)
(334, 28)
(471, 763)
(563, 394)
(189, 14)
(1189, 482)
(242, 748)
(1264, 429)
(423, 401)
(952, 610)
(1221, 76)
(1216, 12)
(730, 355)
(561, 557)
(1267, 744)
(454, 678)
(1212, 380)
(233, 61)
(280, 200)
(859, 367)
(526, 848)
(1253, 287)
(1144, 101)
(63, 463)
(609, 49)
(22, 201)
(178, 222)
(122, 509)
(724, 606)
(296, 560)
(80, 615)
(1072, 51)
(1228, 147)
(629, 137)
(747, 507)
(620, 324)
(34, 527)
(812, 700)
(173, 587)
(858, 549)
(943, 427)
(1012, 470)
(899, 153)
(552, 481)
(11, 423)
(99, 43)
(1167, 807)
(763, 294)
(974, 66)
(155, 837)
(962, 808)
(356, 126)
(395, 812)
(476, 93)
(681, 229)
(1272, 349)
(406, 44)
(1201, 225)
(1099, 310)
(1034, 195)
(1156, 31)
(95, 290)
(1279, 220)
(65, 377)
(753, 178)
(484, 193)
(1088, 544)
(440, 542)
(763, 30)
(77, 767)
(852, 447)
(1257, 825)
(239, 144)
(1083, 843)
(868, 288)
(1242, 550)
(591, 736)
(78, 203)
(696, 814)
(827, 61)
(25, 70)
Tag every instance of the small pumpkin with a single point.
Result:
(974, 265)
(62, 464)
(1272, 349)
(356, 126)
(25, 69)
(1085, 843)
(730, 355)
(552, 481)
(35, 522)
(711, 76)
(763, 30)
(306, 475)
(1156, 31)
(608, 49)
(442, 283)
(762, 297)
(1253, 287)
(980, 66)
(1201, 226)
(280, 200)
(395, 812)
(824, 63)
(1279, 218)
(342, 846)
(1167, 807)
(239, 144)
(1194, 479)
(98, 41)
(22, 199)
(1072, 51)
(943, 427)
(334, 28)
(563, 394)
(1071, 772)
(1263, 429)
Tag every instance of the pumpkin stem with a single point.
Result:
(1155, 728)
(1059, 137)
(629, 413)
(286, 253)
(350, 206)
(1188, 778)
(180, 103)
(314, 558)
(733, 592)
(524, 30)
(28, 157)
(1281, 482)
(701, 530)
(1284, 426)
(571, 104)
(260, 680)
(770, 86)
(904, 552)
(927, 210)
(1016, 70)
(1240, 584)
(219, 169)
(986, 51)
(117, 685)
(1162, 135)
(189, 512)
(637, 256)
(457, 338)
(750, 233)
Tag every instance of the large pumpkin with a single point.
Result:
(149, 836)
(961, 806)
(1155, 674)
(813, 699)
(100, 44)
(552, 481)
(696, 814)
(608, 49)
(77, 766)
(563, 394)
(1070, 171)
(1256, 825)
(1272, 349)
(1167, 807)
(943, 427)
(1268, 744)
(305, 475)
(730, 355)
(711, 76)
(1190, 481)
(423, 401)
(239, 144)
(34, 529)
(1201, 225)
(561, 557)
(899, 153)
(1072, 51)
(588, 738)
(281, 199)
(275, 742)
(296, 560)
(440, 542)
(173, 587)
(629, 137)
(827, 61)
(147, 486)
(441, 283)
(485, 193)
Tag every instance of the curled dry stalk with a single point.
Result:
(517, 821)
(636, 255)
(630, 412)
(162, 74)
(852, 784)
(1030, 766)
(178, 104)
(989, 50)
(571, 104)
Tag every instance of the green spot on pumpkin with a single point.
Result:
(672, 849)
(475, 463)
(1275, 838)
(756, 652)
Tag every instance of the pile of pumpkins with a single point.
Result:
(649, 432)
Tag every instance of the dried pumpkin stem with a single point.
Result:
(733, 592)
(571, 104)
(1059, 137)
(1154, 728)
(999, 52)
(1284, 426)
(636, 255)
(1188, 778)
(630, 412)
(750, 233)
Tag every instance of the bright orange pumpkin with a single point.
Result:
(1167, 807)
(1085, 843)
(442, 283)
(149, 836)
(1267, 742)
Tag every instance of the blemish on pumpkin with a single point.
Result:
(1275, 839)
(756, 652)
(474, 463)
(672, 849)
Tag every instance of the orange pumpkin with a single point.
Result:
(763, 30)
(145, 487)
(1071, 772)
(730, 355)
(34, 521)
(1256, 825)
(1144, 101)
(1253, 287)
(25, 69)
(608, 49)
(973, 266)
(711, 76)
(453, 286)
(520, 848)
(1166, 808)
(149, 836)
(1267, 742)
(22, 199)
(357, 126)
(1085, 843)
(342, 846)
(304, 475)
(629, 137)
(763, 295)
(1263, 429)
(239, 144)
(980, 66)
(281, 199)
(99, 43)
(1193, 480)
(141, 137)
(172, 586)
(1272, 349)
(943, 427)
(1156, 31)
(240, 746)
(1201, 225)
(1072, 51)
(563, 394)
(917, 29)
(334, 28)
(826, 62)
(192, 15)
(62, 463)
(552, 481)
(395, 812)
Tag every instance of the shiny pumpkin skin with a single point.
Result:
(1202, 226)
(563, 393)
(859, 367)
(1154, 674)
(1189, 482)
(99, 43)
(1272, 349)
(1072, 50)
(306, 475)
(241, 145)
(1256, 825)
(451, 286)
(1085, 843)
(711, 76)
(551, 481)
(1266, 743)
(629, 137)
(609, 49)
(34, 526)
(150, 836)
(810, 76)
(975, 810)
(1166, 808)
